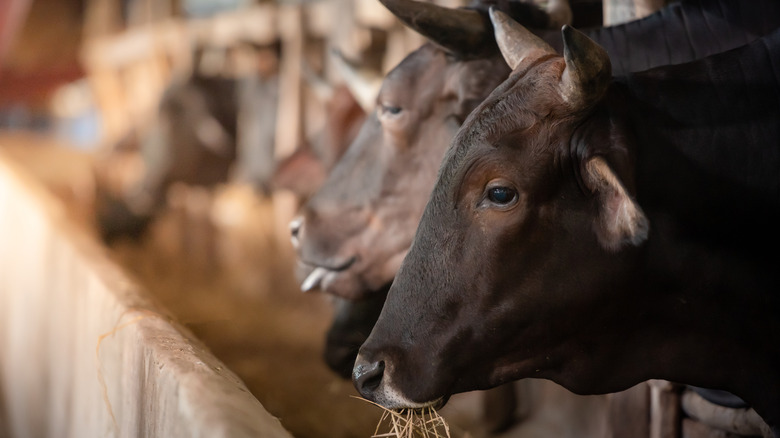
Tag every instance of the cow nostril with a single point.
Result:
(372, 381)
(295, 230)
(368, 376)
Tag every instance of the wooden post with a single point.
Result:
(665, 410)
(102, 17)
(629, 412)
(289, 120)
(621, 11)
(289, 129)
(12, 16)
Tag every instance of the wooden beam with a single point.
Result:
(621, 11)
(289, 126)
(12, 15)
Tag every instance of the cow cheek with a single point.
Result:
(386, 272)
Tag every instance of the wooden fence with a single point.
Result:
(84, 352)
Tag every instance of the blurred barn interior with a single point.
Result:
(184, 134)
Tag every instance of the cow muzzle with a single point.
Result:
(315, 270)
(295, 231)
(374, 384)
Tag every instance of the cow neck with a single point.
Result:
(685, 31)
(705, 139)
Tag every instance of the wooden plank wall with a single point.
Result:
(84, 352)
(621, 11)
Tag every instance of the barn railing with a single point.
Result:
(85, 352)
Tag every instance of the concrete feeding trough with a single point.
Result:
(86, 352)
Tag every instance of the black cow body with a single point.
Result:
(597, 233)
(681, 32)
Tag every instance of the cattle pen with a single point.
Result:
(153, 156)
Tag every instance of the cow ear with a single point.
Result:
(363, 85)
(515, 41)
(588, 70)
(620, 221)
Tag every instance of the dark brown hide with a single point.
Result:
(357, 227)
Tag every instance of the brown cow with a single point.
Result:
(597, 233)
(191, 141)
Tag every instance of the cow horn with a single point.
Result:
(588, 69)
(363, 85)
(461, 31)
(515, 41)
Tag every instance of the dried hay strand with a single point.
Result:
(410, 423)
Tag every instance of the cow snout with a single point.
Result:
(295, 231)
(367, 376)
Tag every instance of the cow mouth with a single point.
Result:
(435, 404)
(397, 405)
(320, 276)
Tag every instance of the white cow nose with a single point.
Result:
(295, 230)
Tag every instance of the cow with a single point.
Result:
(596, 232)
(193, 140)
(353, 233)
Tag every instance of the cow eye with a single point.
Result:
(392, 110)
(501, 195)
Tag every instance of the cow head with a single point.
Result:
(529, 226)
(304, 171)
(353, 233)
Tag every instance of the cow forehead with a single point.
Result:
(524, 98)
(510, 117)
(421, 69)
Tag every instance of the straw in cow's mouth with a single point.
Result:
(410, 423)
